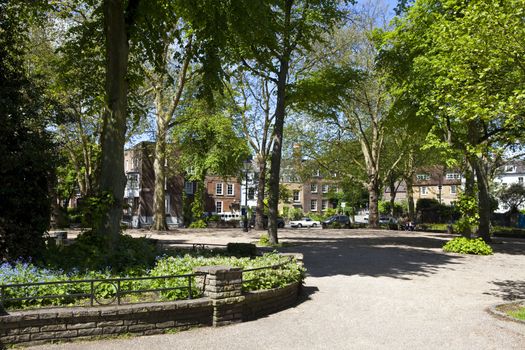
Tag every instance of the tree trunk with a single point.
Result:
(483, 199)
(159, 166)
(410, 199)
(393, 191)
(112, 178)
(373, 207)
(259, 210)
(280, 114)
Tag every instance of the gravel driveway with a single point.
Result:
(368, 289)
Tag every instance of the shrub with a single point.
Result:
(464, 245)
(198, 224)
(181, 264)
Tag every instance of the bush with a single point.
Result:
(198, 224)
(90, 252)
(464, 245)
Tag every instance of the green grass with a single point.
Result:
(519, 314)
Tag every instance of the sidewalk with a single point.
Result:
(368, 290)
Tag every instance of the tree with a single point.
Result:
(349, 93)
(257, 123)
(512, 196)
(474, 104)
(208, 144)
(283, 32)
(26, 147)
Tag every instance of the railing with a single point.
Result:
(104, 291)
(264, 273)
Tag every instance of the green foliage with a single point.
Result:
(90, 252)
(294, 214)
(512, 196)
(385, 208)
(27, 152)
(431, 211)
(95, 208)
(242, 249)
(465, 245)
(519, 313)
(198, 224)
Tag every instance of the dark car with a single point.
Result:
(280, 222)
(341, 220)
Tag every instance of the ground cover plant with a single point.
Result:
(465, 245)
(519, 313)
(179, 262)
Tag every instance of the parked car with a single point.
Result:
(280, 221)
(342, 220)
(304, 222)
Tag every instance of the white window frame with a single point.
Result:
(453, 189)
(219, 189)
(167, 203)
(324, 188)
(422, 177)
(218, 204)
(324, 204)
(228, 188)
(132, 184)
(453, 176)
(294, 192)
(188, 187)
(251, 193)
(313, 205)
(313, 188)
(423, 190)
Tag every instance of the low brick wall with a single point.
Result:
(223, 303)
(51, 325)
(264, 302)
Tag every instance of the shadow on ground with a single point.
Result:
(508, 290)
(377, 256)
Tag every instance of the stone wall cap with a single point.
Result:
(213, 270)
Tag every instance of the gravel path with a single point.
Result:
(368, 290)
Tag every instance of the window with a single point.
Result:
(520, 180)
(510, 169)
(313, 188)
(218, 206)
(251, 193)
(296, 196)
(218, 189)
(188, 187)
(133, 181)
(229, 189)
(424, 190)
(317, 172)
(421, 177)
(167, 203)
(324, 204)
(453, 189)
(325, 188)
(453, 176)
(313, 205)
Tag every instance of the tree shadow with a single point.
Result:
(511, 246)
(508, 290)
(401, 257)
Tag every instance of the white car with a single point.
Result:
(305, 222)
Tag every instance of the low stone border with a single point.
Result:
(223, 303)
(495, 311)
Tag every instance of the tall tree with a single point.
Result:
(256, 99)
(26, 148)
(283, 32)
(349, 92)
(474, 103)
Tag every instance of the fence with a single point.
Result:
(102, 291)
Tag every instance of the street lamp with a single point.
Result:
(246, 167)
